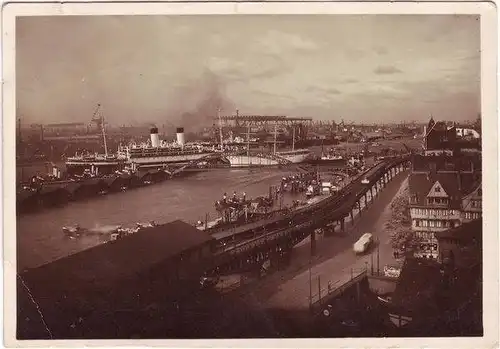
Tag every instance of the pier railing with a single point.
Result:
(334, 289)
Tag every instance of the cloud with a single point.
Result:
(163, 67)
(387, 70)
(333, 91)
(350, 81)
(380, 50)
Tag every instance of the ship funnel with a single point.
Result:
(180, 136)
(155, 140)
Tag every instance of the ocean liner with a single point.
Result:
(157, 153)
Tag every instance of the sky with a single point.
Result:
(178, 69)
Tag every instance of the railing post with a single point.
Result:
(319, 289)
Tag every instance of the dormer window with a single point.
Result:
(437, 189)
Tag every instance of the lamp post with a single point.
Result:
(310, 284)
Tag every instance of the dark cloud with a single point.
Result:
(334, 91)
(380, 50)
(350, 81)
(387, 70)
(355, 54)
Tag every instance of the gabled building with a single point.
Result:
(444, 193)
(438, 138)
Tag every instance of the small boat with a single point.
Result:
(73, 231)
(147, 225)
(332, 157)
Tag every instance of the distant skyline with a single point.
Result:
(177, 69)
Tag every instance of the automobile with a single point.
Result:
(365, 181)
(363, 243)
(392, 271)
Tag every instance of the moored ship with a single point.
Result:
(249, 159)
(95, 164)
(268, 159)
(157, 153)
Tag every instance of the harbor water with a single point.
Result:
(40, 238)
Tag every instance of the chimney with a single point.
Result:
(155, 140)
(180, 136)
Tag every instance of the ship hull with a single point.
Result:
(327, 161)
(296, 158)
(250, 161)
(177, 160)
(257, 161)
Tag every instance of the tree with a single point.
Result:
(401, 236)
(477, 123)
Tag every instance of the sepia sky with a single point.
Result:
(179, 69)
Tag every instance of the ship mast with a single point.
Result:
(248, 139)
(220, 129)
(275, 135)
(293, 137)
(100, 121)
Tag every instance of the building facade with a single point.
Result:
(445, 192)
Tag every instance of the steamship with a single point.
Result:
(94, 164)
(158, 152)
(250, 159)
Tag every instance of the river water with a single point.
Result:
(40, 238)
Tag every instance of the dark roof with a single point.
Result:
(102, 266)
(24, 195)
(417, 284)
(102, 280)
(455, 185)
(467, 232)
(439, 137)
(446, 163)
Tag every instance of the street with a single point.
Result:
(290, 288)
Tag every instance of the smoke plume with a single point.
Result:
(199, 101)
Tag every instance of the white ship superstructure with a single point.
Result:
(158, 153)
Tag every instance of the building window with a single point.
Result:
(480, 192)
(437, 189)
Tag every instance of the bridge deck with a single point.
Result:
(348, 195)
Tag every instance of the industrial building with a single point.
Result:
(76, 296)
